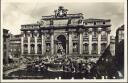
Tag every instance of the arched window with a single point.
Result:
(85, 48)
(32, 47)
(39, 47)
(25, 47)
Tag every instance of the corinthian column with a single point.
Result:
(99, 40)
(42, 43)
(80, 41)
(90, 40)
(29, 41)
(36, 34)
(108, 38)
(70, 42)
(22, 43)
(52, 42)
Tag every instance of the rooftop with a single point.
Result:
(61, 18)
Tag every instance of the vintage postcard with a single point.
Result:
(63, 41)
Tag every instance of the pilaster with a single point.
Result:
(70, 42)
(52, 42)
(35, 36)
(22, 43)
(90, 40)
(43, 50)
(81, 41)
(99, 40)
(28, 32)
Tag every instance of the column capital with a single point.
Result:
(99, 30)
(81, 30)
(35, 33)
(28, 33)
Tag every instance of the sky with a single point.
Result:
(15, 14)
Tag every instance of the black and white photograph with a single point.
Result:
(60, 40)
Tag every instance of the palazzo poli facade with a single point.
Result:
(69, 34)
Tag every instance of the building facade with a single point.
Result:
(15, 45)
(119, 50)
(65, 33)
(120, 34)
(5, 46)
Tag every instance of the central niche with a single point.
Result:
(61, 44)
